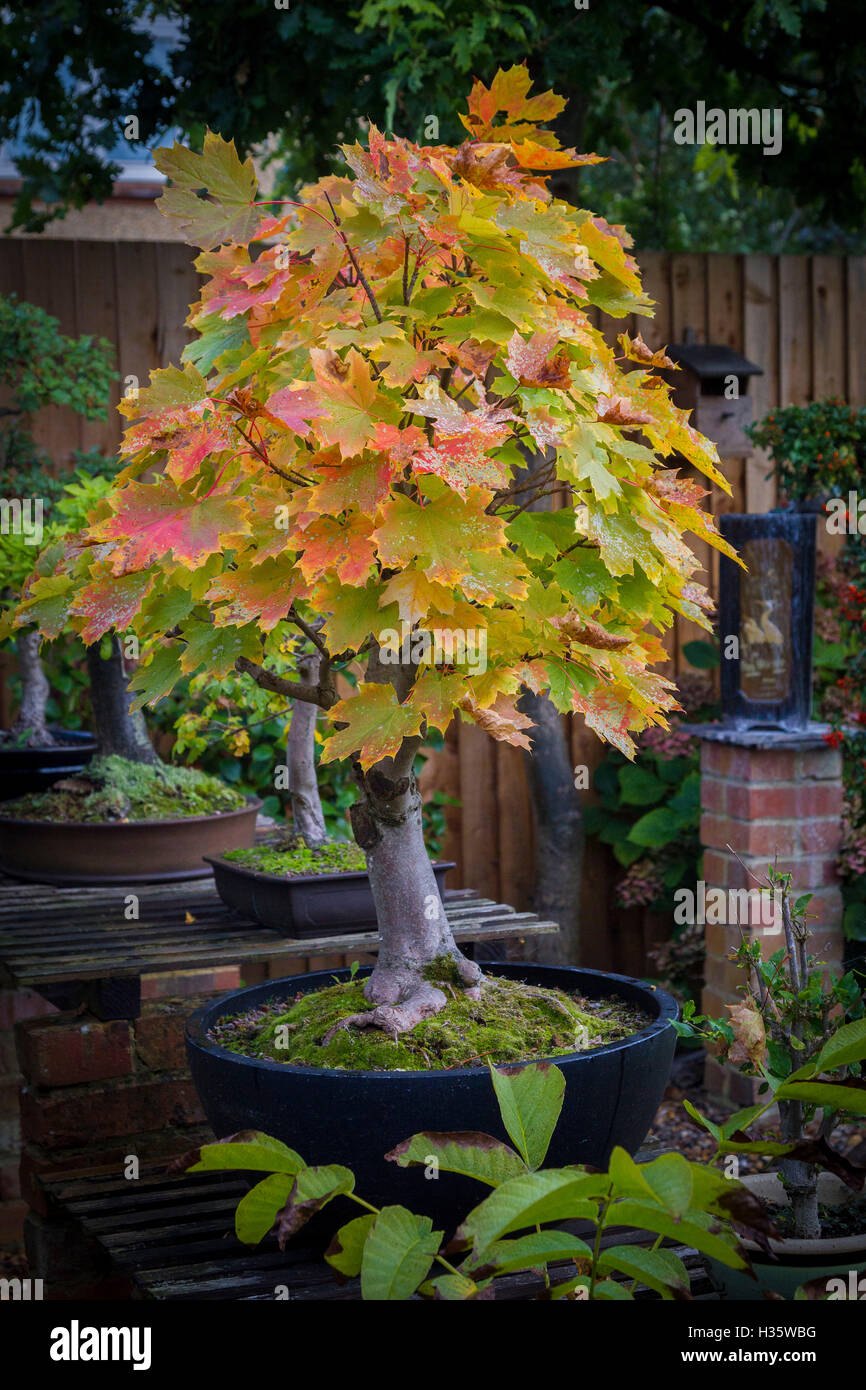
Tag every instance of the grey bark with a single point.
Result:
(801, 1179)
(413, 928)
(117, 730)
(34, 692)
(307, 813)
(556, 812)
(559, 833)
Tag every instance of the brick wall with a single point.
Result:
(779, 805)
(93, 1093)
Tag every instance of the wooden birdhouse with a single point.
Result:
(713, 382)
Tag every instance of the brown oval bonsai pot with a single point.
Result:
(797, 1261)
(146, 851)
(310, 905)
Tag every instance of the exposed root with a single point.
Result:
(424, 1002)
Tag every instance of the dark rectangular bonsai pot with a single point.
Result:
(313, 905)
(354, 1118)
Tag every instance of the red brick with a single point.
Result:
(712, 1003)
(18, 1004)
(767, 838)
(714, 793)
(717, 939)
(82, 1115)
(159, 1043)
(821, 763)
(770, 765)
(718, 831)
(821, 836)
(70, 1049)
(184, 982)
(722, 870)
(712, 756)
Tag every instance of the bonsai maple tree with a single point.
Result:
(347, 441)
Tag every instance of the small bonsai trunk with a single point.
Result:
(801, 1179)
(307, 813)
(413, 929)
(34, 692)
(118, 731)
(559, 836)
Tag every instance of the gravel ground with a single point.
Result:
(674, 1128)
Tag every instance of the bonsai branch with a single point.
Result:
(322, 693)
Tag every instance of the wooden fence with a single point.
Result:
(803, 319)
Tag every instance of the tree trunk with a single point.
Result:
(800, 1179)
(556, 809)
(118, 731)
(34, 692)
(413, 928)
(559, 836)
(307, 813)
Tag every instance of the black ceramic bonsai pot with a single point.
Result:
(355, 1117)
(26, 770)
(313, 905)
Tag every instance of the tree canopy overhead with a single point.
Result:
(313, 72)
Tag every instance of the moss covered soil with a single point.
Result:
(114, 789)
(512, 1022)
(293, 858)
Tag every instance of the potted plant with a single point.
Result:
(39, 366)
(125, 816)
(355, 453)
(397, 1254)
(303, 882)
(802, 1032)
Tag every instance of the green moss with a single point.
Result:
(512, 1022)
(113, 789)
(293, 858)
(442, 971)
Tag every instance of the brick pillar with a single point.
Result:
(15, 1006)
(773, 797)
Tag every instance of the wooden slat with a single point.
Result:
(174, 1237)
(49, 281)
(96, 313)
(856, 329)
(761, 345)
(795, 339)
(57, 936)
(828, 327)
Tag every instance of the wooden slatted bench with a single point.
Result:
(173, 1238)
(74, 945)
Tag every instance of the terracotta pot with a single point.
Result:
(312, 905)
(149, 851)
(798, 1260)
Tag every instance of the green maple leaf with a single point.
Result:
(227, 214)
(374, 725)
(440, 534)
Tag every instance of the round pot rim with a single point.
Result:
(77, 739)
(243, 872)
(253, 803)
(793, 1246)
(195, 1034)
